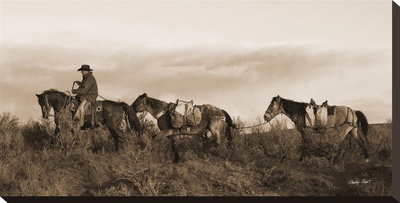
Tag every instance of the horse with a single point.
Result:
(212, 119)
(343, 118)
(108, 112)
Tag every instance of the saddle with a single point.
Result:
(91, 108)
(331, 110)
(184, 114)
(92, 112)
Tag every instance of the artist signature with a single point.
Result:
(357, 182)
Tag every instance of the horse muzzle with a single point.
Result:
(267, 116)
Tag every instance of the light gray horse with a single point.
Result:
(345, 119)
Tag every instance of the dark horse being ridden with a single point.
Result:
(111, 113)
(212, 118)
(344, 117)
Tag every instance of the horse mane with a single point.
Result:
(154, 103)
(123, 103)
(53, 91)
(292, 107)
(55, 96)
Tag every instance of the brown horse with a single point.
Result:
(340, 117)
(111, 113)
(212, 118)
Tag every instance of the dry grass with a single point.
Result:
(261, 163)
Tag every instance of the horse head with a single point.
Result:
(325, 104)
(139, 105)
(44, 105)
(273, 109)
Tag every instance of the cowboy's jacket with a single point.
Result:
(87, 89)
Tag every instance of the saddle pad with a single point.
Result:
(321, 116)
(310, 116)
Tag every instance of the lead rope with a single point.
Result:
(253, 126)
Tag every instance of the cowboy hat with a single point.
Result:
(85, 67)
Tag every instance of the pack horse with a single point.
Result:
(193, 119)
(306, 115)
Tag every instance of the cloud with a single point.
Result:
(241, 78)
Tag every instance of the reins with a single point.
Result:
(101, 97)
(67, 101)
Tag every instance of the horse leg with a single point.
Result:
(228, 134)
(54, 138)
(342, 135)
(362, 142)
(167, 133)
(173, 147)
(305, 144)
(115, 133)
(170, 133)
(215, 128)
(194, 130)
(217, 134)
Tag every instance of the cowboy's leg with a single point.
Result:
(80, 112)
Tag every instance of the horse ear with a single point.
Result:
(144, 94)
(312, 102)
(325, 103)
(38, 95)
(278, 97)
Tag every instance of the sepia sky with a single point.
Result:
(236, 55)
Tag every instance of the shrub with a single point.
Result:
(38, 135)
(10, 139)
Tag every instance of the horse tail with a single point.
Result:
(230, 123)
(363, 122)
(134, 122)
(228, 119)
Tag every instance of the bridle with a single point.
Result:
(145, 104)
(47, 106)
(279, 109)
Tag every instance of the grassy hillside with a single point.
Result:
(261, 163)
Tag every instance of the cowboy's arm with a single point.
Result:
(83, 87)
